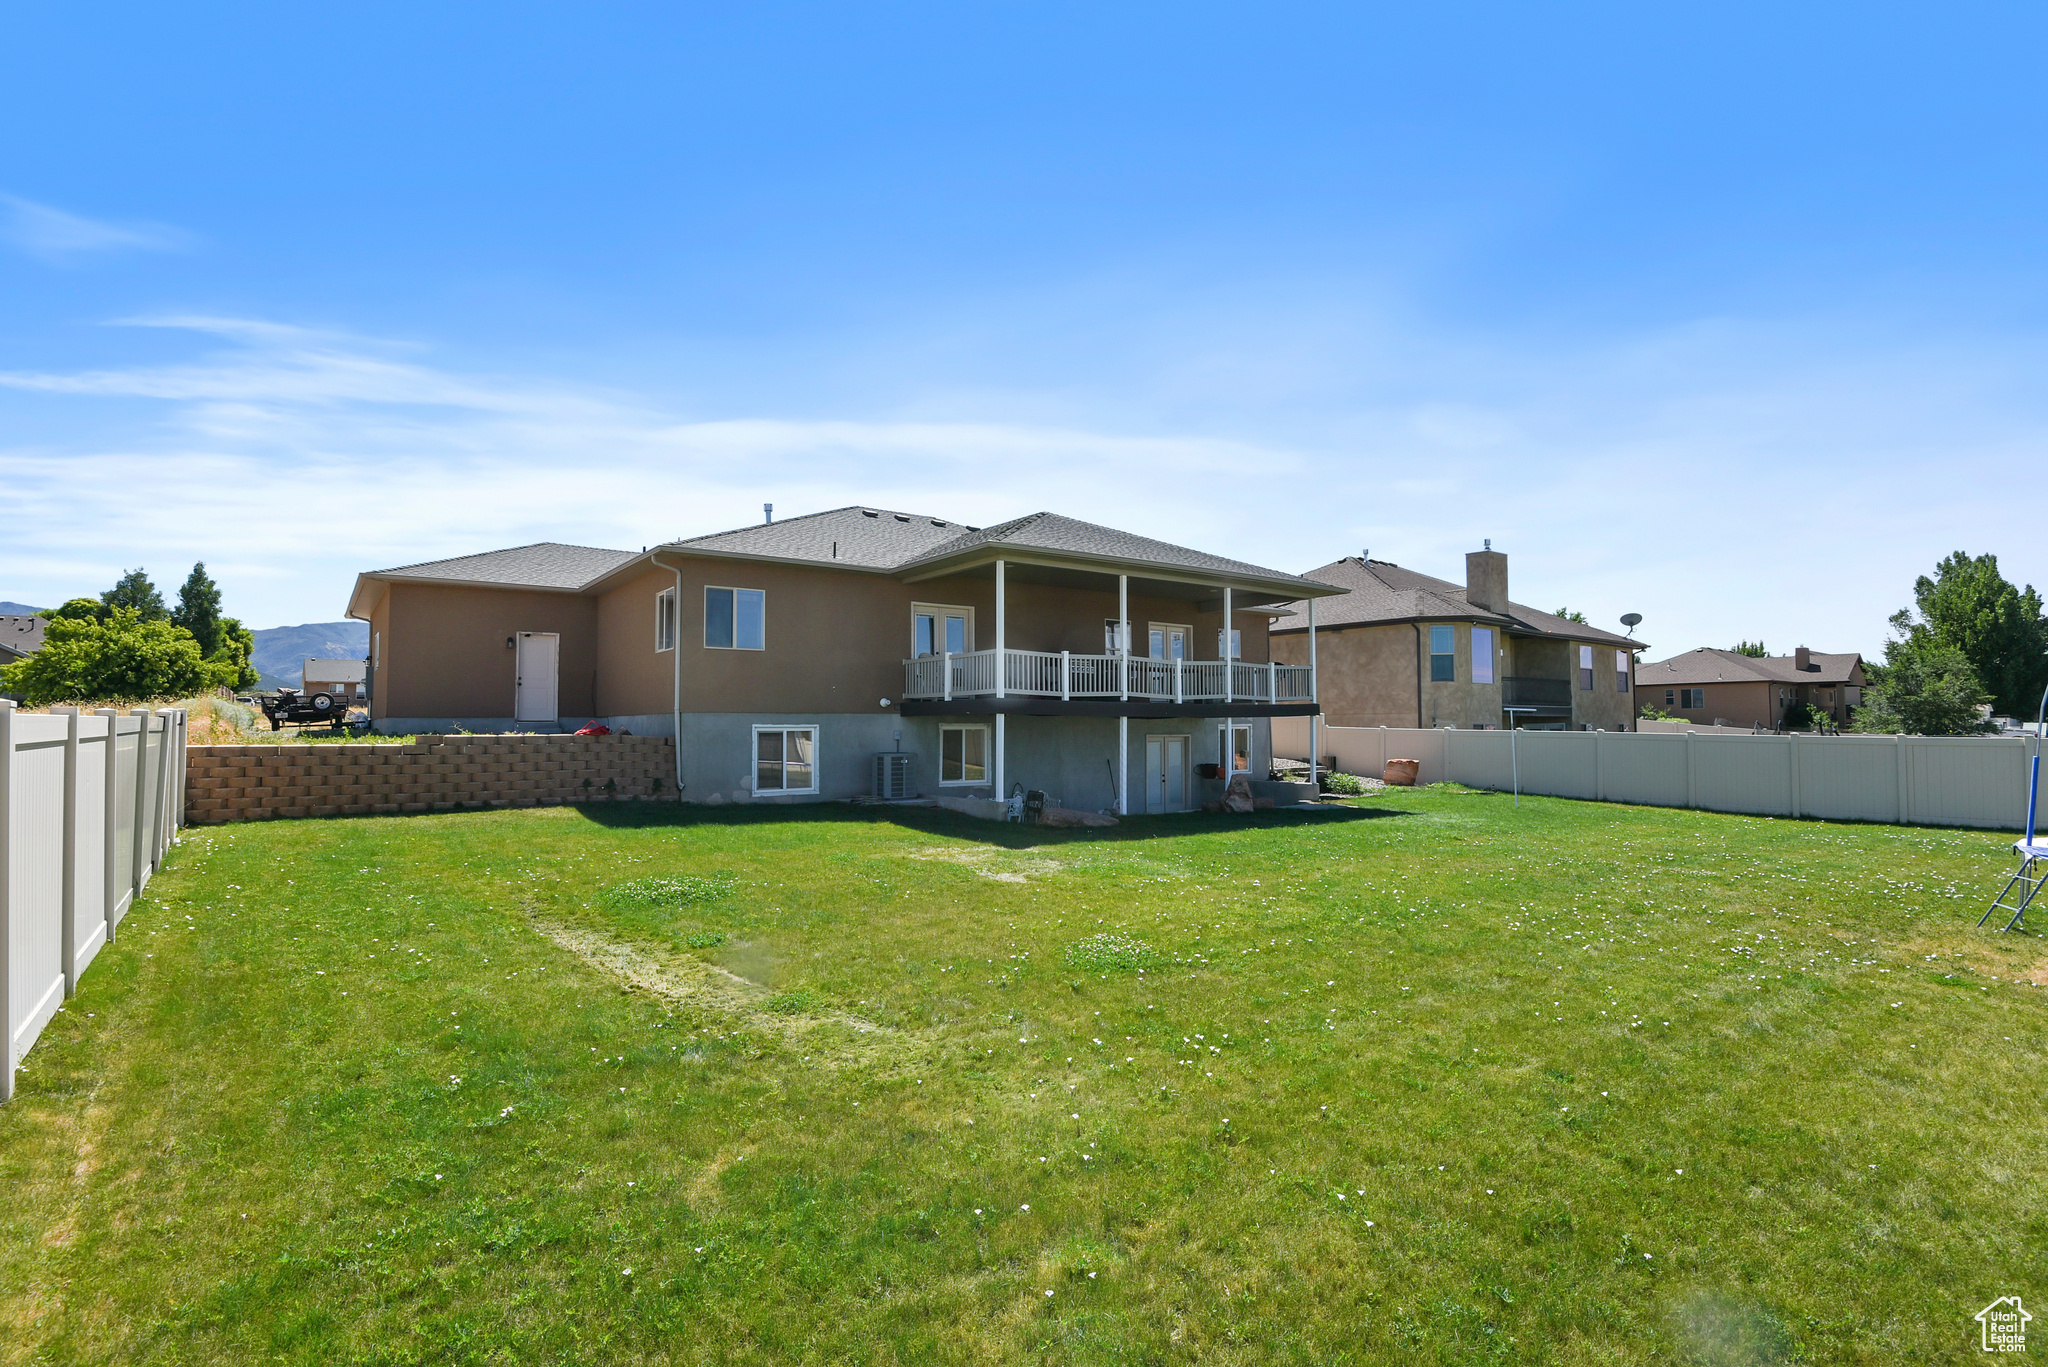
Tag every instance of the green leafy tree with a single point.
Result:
(1998, 628)
(198, 610)
(123, 659)
(1569, 615)
(135, 591)
(1753, 649)
(80, 610)
(233, 662)
(1925, 687)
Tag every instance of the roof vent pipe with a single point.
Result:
(767, 512)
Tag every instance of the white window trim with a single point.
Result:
(754, 758)
(736, 590)
(939, 612)
(1226, 754)
(1187, 639)
(666, 598)
(987, 754)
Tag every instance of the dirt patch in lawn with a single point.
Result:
(689, 982)
(1000, 866)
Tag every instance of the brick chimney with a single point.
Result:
(1802, 659)
(1486, 579)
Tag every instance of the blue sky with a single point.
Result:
(1724, 315)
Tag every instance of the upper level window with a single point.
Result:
(1236, 644)
(1621, 671)
(1112, 636)
(1585, 669)
(735, 619)
(1167, 640)
(939, 630)
(665, 620)
(1482, 655)
(1443, 654)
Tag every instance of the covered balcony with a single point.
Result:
(1070, 677)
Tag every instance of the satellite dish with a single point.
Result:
(1631, 620)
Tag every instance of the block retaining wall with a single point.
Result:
(436, 773)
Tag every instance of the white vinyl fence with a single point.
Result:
(1920, 780)
(88, 805)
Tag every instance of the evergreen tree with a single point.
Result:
(135, 591)
(198, 610)
(1998, 628)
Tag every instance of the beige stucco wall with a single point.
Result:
(445, 656)
(1367, 676)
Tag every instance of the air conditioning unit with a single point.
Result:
(892, 776)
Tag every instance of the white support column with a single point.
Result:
(1179, 688)
(1066, 675)
(1229, 664)
(110, 823)
(1123, 634)
(1123, 765)
(1314, 718)
(1272, 681)
(946, 664)
(1002, 749)
(6, 900)
(1002, 658)
(67, 934)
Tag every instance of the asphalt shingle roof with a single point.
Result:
(864, 538)
(1069, 536)
(543, 565)
(1709, 665)
(1377, 591)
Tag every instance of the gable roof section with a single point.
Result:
(21, 636)
(1378, 592)
(1708, 665)
(543, 565)
(1066, 536)
(855, 538)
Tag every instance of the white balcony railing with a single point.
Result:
(1065, 675)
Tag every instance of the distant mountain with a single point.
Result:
(282, 652)
(17, 610)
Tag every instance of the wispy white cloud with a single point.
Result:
(1726, 479)
(58, 237)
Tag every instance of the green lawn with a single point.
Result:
(1431, 1080)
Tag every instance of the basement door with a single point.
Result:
(534, 693)
(1166, 773)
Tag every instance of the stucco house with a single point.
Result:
(1727, 688)
(1401, 648)
(787, 656)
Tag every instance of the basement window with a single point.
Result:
(785, 760)
(963, 754)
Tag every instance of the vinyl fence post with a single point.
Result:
(1797, 774)
(68, 935)
(141, 715)
(110, 821)
(1905, 778)
(6, 899)
(1692, 783)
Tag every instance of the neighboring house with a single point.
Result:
(1405, 649)
(20, 637)
(1728, 688)
(787, 656)
(342, 678)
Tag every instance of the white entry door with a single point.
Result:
(1166, 773)
(538, 665)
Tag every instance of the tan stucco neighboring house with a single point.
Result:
(1043, 653)
(1727, 688)
(1401, 648)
